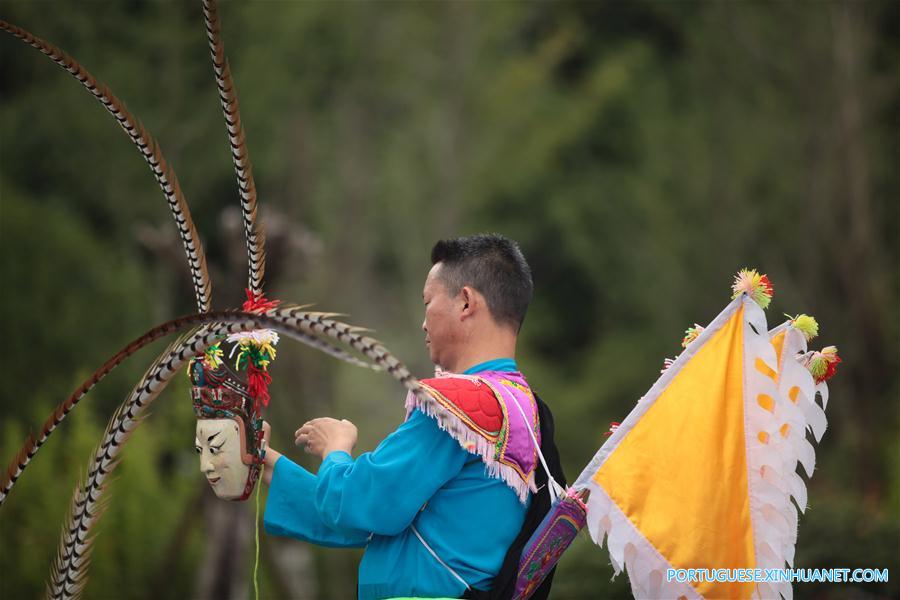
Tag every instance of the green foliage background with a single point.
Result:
(641, 152)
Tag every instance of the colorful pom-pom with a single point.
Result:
(256, 350)
(806, 324)
(822, 365)
(691, 334)
(212, 357)
(757, 286)
(261, 338)
(256, 347)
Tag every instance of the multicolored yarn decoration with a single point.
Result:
(806, 324)
(758, 287)
(256, 350)
(691, 334)
(212, 357)
(822, 365)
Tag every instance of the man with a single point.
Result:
(440, 504)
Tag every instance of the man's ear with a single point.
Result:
(469, 301)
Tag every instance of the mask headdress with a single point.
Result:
(235, 394)
(222, 393)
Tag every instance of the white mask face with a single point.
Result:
(219, 446)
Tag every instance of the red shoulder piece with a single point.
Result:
(471, 400)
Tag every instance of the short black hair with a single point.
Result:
(493, 265)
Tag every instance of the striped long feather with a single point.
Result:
(253, 231)
(331, 350)
(32, 444)
(68, 574)
(149, 149)
(70, 569)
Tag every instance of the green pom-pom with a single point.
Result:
(817, 366)
(806, 324)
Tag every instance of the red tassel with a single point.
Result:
(258, 382)
(258, 304)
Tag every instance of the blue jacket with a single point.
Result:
(417, 475)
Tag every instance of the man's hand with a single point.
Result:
(272, 455)
(322, 436)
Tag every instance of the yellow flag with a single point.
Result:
(702, 474)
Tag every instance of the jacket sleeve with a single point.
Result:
(383, 490)
(291, 512)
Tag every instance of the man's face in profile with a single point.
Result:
(441, 324)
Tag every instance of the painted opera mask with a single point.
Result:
(229, 436)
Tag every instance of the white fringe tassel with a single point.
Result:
(472, 442)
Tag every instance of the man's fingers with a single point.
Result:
(313, 435)
(305, 428)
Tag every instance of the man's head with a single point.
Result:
(476, 296)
